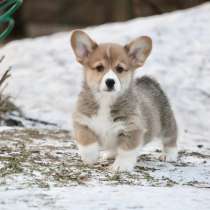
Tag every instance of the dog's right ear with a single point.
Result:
(82, 45)
(138, 50)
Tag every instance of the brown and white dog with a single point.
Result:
(116, 112)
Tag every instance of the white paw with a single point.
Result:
(170, 155)
(162, 157)
(125, 160)
(122, 165)
(89, 153)
(107, 155)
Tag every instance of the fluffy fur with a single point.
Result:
(123, 118)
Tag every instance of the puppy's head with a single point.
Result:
(109, 67)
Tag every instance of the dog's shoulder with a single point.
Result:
(86, 102)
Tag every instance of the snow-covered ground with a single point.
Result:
(46, 80)
(108, 198)
(41, 169)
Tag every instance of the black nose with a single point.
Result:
(110, 83)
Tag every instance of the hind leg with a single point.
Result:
(170, 152)
(169, 136)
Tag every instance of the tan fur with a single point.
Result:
(131, 47)
(84, 135)
(101, 55)
(131, 140)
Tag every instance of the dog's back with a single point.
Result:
(156, 109)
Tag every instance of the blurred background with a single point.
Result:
(42, 17)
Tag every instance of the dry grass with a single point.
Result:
(48, 157)
(6, 106)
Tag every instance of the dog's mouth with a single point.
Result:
(109, 90)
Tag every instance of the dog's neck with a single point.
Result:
(91, 101)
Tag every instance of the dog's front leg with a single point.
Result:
(128, 150)
(87, 144)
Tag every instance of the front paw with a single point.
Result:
(108, 155)
(122, 166)
(125, 160)
(89, 153)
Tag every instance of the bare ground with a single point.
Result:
(43, 158)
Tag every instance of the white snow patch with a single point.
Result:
(94, 198)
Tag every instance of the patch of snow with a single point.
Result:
(4, 128)
(94, 198)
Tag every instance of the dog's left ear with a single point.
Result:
(138, 50)
(82, 45)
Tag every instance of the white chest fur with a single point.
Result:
(102, 123)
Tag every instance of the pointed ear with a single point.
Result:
(82, 45)
(138, 50)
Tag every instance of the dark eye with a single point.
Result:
(119, 69)
(100, 68)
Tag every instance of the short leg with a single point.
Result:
(169, 137)
(87, 144)
(128, 151)
(89, 153)
(170, 152)
(125, 160)
(109, 154)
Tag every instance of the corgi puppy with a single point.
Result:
(116, 112)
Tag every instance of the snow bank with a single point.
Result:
(46, 78)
